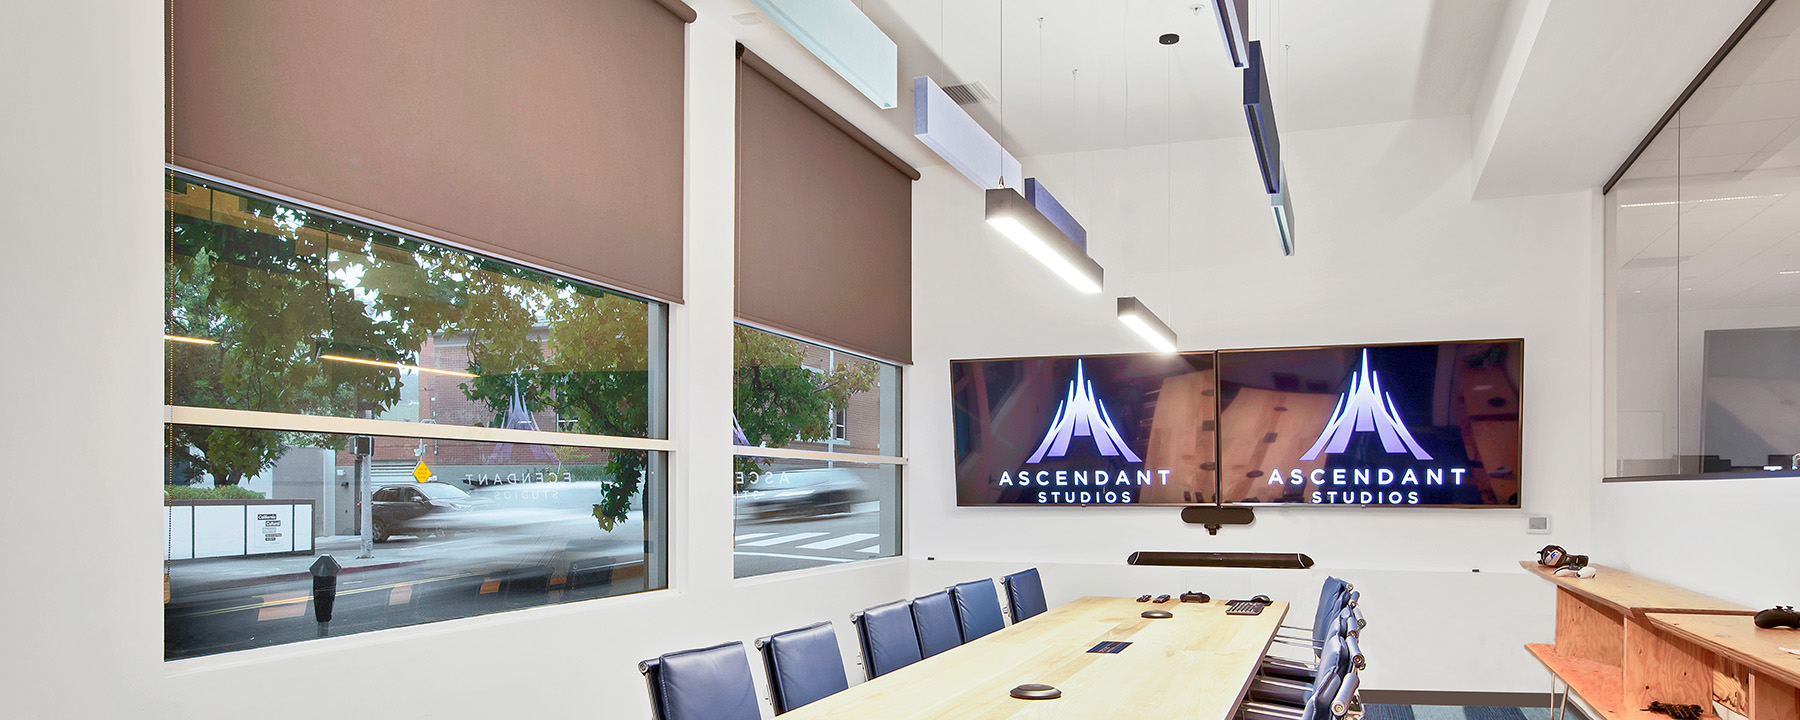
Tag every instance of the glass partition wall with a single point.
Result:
(1703, 274)
(459, 434)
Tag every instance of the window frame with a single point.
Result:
(658, 556)
(900, 461)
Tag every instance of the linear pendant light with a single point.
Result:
(1234, 20)
(1136, 316)
(1011, 214)
(1259, 110)
(1282, 204)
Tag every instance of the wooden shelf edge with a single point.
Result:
(1600, 685)
(1780, 668)
(1691, 603)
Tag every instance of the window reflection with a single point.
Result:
(795, 514)
(278, 309)
(459, 529)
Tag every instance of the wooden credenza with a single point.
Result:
(1623, 641)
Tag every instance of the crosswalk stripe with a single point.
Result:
(783, 540)
(872, 549)
(838, 541)
(751, 536)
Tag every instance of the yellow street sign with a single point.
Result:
(421, 472)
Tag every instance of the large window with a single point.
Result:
(1703, 274)
(817, 478)
(460, 434)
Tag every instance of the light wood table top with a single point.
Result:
(1195, 665)
(1737, 637)
(1636, 595)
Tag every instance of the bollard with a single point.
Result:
(324, 572)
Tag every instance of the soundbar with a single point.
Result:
(1285, 561)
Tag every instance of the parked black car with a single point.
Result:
(421, 508)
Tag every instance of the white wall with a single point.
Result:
(1390, 248)
(80, 591)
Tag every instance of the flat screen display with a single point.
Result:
(1093, 430)
(1432, 424)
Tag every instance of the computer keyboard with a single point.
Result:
(1245, 607)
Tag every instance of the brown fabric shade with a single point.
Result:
(543, 131)
(824, 222)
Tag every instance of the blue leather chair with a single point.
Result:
(710, 683)
(889, 638)
(804, 665)
(977, 609)
(1326, 697)
(935, 618)
(1025, 594)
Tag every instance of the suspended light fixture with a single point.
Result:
(1136, 316)
(1022, 221)
(1259, 110)
(1234, 27)
(1132, 311)
(1011, 214)
(1283, 205)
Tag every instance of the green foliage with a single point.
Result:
(222, 492)
(589, 362)
(778, 401)
(274, 303)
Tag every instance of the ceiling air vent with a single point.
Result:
(973, 93)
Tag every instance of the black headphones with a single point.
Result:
(1554, 556)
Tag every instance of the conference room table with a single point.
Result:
(1197, 664)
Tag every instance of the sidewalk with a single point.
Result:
(191, 576)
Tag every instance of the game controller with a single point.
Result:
(1572, 571)
(1777, 617)
(1195, 596)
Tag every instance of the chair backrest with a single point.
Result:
(803, 665)
(1325, 683)
(710, 683)
(935, 617)
(977, 609)
(889, 638)
(1331, 602)
(1025, 594)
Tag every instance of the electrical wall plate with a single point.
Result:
(1537, 524)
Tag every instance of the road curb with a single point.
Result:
(297, 575)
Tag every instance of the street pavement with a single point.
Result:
(224, 604)
(770, 545)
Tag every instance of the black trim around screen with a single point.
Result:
(1126, 384)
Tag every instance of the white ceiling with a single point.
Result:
(1092, 75)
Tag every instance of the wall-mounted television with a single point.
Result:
(1089, 430)
(1411, 425)
(1420, 424)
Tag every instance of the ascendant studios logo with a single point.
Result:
(1365, 407)
(1362, 409)
(1081, 414)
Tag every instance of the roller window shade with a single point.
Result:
(824, 222)
(544, 131)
